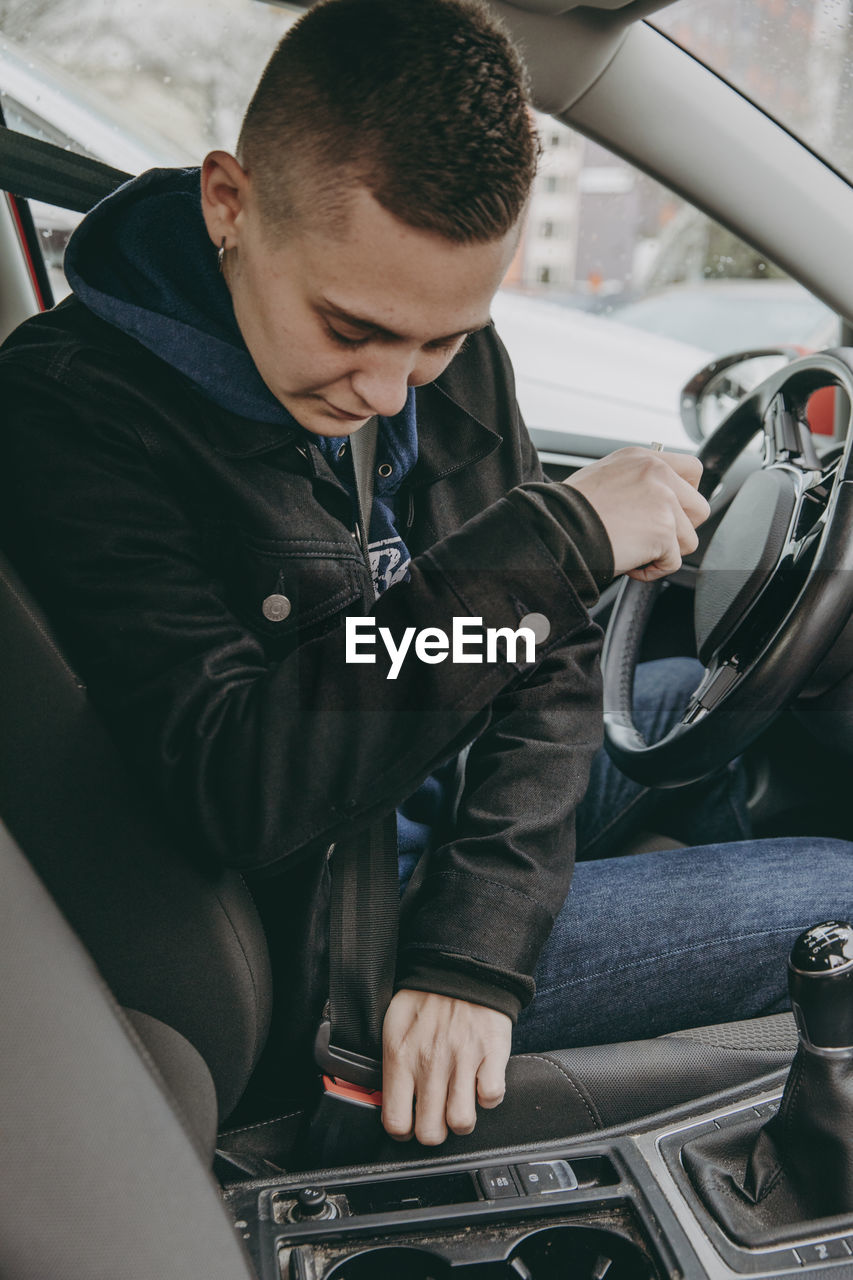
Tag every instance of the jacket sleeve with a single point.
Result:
(505, 870)
(272, 762)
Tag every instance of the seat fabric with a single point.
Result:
(101, 1176)
(185, 1074)
(176, 942)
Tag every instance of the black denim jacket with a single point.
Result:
(154, 525)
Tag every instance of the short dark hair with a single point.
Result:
(423, 102)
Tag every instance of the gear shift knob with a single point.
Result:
(820, 982)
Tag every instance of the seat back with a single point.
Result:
(101, 1176)
(181, 944)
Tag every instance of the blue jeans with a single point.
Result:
(614, 808)
(662, 941)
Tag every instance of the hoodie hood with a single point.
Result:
(142, 260)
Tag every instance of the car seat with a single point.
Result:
(178, 943)
(103, 1175)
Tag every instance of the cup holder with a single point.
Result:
(391, 1263)
(578, 1253)
(550, 1253)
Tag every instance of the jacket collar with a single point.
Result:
(450, 435)
(239, 437)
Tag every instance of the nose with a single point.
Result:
(382, 380)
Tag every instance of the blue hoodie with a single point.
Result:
(142, 260)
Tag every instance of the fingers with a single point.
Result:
(432, 1103)
(680, 542)
(687, 465)
(680, 472)
(688, 471)
(398, 1100)
(491, 1081)
(440, 1057)
(461, 1111)
(649, 505)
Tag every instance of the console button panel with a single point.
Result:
(544, 1177)
(497, 1182)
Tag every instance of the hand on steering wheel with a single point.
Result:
(773, 592)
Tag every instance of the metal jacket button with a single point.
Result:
(276, 608)
(538, 624)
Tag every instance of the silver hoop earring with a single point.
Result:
(220, 255)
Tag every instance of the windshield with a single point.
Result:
(793, 58)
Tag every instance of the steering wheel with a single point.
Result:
(773, 592)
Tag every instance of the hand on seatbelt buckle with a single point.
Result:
(353, 1070)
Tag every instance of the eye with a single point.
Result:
(342, 339)
(448, 344)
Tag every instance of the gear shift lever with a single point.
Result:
(820, 983)
(763, 1188)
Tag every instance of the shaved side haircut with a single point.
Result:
(423, 102)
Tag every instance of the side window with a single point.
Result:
(621, 291)
(99, 80)
(53, 225)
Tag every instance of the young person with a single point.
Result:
(178, 480)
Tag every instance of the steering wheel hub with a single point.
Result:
(773, 592)
(742, 556)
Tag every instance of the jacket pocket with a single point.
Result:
(280, 587)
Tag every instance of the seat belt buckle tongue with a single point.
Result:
(346, 1126)
(358, 1094)
(350, 1076)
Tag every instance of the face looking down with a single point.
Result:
(341, 320)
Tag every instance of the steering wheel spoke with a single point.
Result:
(773, 592)
(715, 684)
(787, 438)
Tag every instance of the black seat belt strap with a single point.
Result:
(36, 170)
(364, 897)
(362, 953)
(363, 445)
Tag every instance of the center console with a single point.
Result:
(734, 1185)
(620, 1207)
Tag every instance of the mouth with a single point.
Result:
(343, 415)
